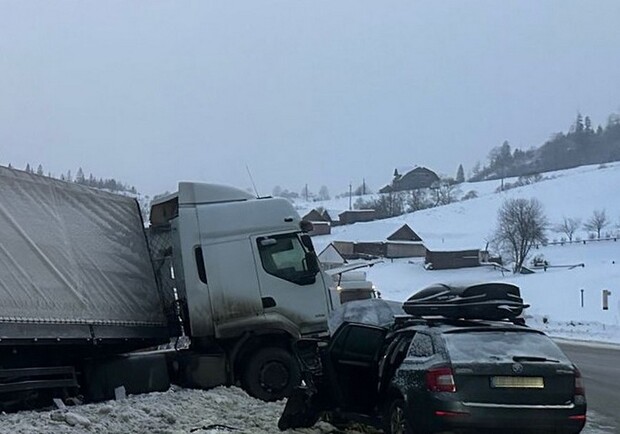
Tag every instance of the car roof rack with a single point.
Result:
(494, 301)
(403, 321)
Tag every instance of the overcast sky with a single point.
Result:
(317, 92)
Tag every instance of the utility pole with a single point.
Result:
(306, 191)
(350, 194)
(363, 186)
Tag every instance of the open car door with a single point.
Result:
(345, 377)
(351, 366)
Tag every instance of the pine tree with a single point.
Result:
(79, 176)
(579, 127)
(40, 170)
(28, 169)
(460, 174)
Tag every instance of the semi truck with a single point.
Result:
(214, 289)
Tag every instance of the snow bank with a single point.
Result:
(216, 411)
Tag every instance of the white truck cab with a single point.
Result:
(248, 277)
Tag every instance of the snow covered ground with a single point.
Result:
(177, 411)
(555, 296)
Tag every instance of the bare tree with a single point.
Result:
(597, 222)
(277, 191)
(417, 199)
(521, 223)
(568, 227)
(444, 192)
(385, 205)
(323, 193)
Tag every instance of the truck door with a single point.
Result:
(290, 282)
(233, 287)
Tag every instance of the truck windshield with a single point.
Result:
(284, 256)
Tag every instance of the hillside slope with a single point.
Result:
(555, 295)
(571, 193)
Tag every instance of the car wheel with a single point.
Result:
(271, 374)
(397, 420)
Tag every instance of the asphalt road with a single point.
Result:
(600, 368)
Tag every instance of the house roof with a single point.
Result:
(357, 211)
(331, 255)
(404, 233)
(314, 216)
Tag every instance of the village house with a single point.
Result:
(320, 224)
(419, 177)
(357, 215)
(402, 243)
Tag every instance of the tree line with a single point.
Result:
(110, 184)
(582, 144)
(392, 204)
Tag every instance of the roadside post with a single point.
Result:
(606, 294)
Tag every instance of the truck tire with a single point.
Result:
(271, 374)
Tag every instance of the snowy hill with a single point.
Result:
(569, 193)
(555, 295)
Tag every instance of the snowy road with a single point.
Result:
(601, 373)
(599, 424)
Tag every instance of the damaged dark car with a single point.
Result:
(441, 373)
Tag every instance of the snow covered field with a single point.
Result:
(555, 296)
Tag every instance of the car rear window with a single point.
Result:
(500, 346)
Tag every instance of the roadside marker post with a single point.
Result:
(606, 294)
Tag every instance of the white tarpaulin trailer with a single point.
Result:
(74, 263)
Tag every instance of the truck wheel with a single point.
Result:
(271, 374)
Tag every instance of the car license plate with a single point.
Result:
(518, 382)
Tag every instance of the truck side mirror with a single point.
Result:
(306, 226)
(312, 262)
(307, 242)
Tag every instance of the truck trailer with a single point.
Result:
(214, 290)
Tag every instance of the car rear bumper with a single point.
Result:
(473, 417)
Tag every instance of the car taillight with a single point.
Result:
(451, 413)
(579, 387)
(440, 380)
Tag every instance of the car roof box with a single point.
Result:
(486, 301)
